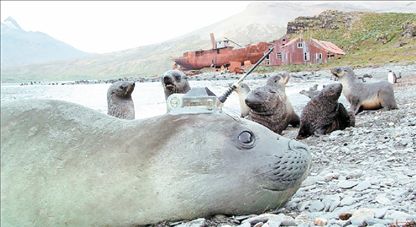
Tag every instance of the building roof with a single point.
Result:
(330, 47)
(292, 41)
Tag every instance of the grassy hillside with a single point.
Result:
(370, 39)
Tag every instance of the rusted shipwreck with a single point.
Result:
(222, 54)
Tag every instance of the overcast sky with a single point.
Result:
(106, 26)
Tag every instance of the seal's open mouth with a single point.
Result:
(168, 83)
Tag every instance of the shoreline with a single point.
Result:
(375, 71)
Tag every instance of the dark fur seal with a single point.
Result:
(66, 165)
(270, 106)
(365, 96)
(312, 92)
(119, 101)
(323, 114)
(175, 81)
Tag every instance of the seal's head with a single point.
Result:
(226, 165)
(278, 80)
(121, 89)
(174, 81)
(343, 72)
(330, 92)
(264, 100)
(242, 88)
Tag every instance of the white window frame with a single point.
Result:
(300, 45)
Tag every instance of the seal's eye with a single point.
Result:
(177, 77)
(246, 138)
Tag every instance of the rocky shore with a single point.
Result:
(361, 176)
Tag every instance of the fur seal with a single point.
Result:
(175, 81)
(323, 114)
(364, 96)
(270, 106)
(312, 92)
(242, 91)
(119, 101)
(65, 164)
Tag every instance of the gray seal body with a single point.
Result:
(270, 106)
(119, 101)
(364, 96)
(66, 165)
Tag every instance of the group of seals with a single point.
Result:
(65, 164)
(364, 96)
(270, 106)
(119, 101)
(323, 114)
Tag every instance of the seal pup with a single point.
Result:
(174, 81)
(312, 92)
(65, 164)
(270, 106)
(242, 91)
(364, 96)
(323, 114)
(119, 101)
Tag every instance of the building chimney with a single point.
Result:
(213, 42)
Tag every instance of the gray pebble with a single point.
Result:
(347, 184)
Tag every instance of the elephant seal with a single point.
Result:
(119, 101)
(365, 96)
(175, 81)
(323, 114)
(270, 106)
(64, 164)
(242, 91)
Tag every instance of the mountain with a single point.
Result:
(20, 47)
(260, 21)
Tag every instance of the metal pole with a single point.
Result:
(227, 93)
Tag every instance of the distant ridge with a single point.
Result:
(20, 47)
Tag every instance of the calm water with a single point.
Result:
(149, 99)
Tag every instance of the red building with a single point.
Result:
(300, 51)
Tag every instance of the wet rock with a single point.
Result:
(200, 222)
(264, 218)
(361, 216)
(316, 205)
(344, 216)
(380, 212)
(363, 185)
(331, 202)
(347, 201)
(397, 216)
(382, 199)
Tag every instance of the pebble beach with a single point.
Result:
(361, 176)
